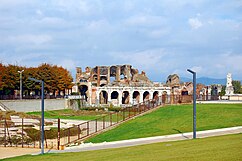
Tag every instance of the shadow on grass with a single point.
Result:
(181, 133)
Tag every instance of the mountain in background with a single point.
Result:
(205, 80)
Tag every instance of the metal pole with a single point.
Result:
(42, 117)
(22, 133)
(21, 84)
(58, 135)
(194, 102)
(194, 106)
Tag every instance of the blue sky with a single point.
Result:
(161, 37)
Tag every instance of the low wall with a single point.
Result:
(34, 105)
(234, 97)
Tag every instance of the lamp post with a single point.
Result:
(194, 102)
(42, 112)
(21, 86)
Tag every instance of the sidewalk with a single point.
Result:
(7, 152)
(149, 140)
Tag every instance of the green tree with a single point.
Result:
(222, 93)
(237, 86)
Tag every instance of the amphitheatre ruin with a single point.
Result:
(120, 85)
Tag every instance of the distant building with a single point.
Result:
(120, 85)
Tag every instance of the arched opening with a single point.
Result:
(103, 97)
(114, 97)
(164, 97)
(146, 96)
(156, 95)
(184, 92)
(113, 73)
(94, 77)
(83, 90)
(125, 97)
(103, 78)
(136, 96)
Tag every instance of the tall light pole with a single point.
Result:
(194, 102)
(42, 112)
(21, 84)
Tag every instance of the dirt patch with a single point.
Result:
(8, 152)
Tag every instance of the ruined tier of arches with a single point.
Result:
(118, 85)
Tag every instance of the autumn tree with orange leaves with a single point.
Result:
(57, 79)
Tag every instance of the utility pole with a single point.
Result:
(194, 102)
(21, 84)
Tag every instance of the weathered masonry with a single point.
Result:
(120, 85)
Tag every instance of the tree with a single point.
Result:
(237, 86)
(222, 93)
(55, 78)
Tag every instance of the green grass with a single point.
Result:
(175, 119)
(220, 148)
(71, 114)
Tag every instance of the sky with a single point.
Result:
(160, 37)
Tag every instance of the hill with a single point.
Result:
(205, 80)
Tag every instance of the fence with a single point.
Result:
(26, 132)
(14, 97)
(84, 130)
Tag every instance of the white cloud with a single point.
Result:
(145, 20)
(39, 12)
(146, 59)
(159, 33)
(197, 69)
(30, 39)
(195, 23)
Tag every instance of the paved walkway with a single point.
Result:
(12, 152)
(149, 140)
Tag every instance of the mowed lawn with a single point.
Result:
(220, 148)
(71, 114)
(175, 119)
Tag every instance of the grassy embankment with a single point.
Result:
(71, 114)
(213, 148)
(175, 119)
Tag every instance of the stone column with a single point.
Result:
(109, 95)
(128, 74)
(118, 73)
(108, 76)
(141, 96)
(120, 97)
(98, 76)
(151, 95)
(97, 97)
(131, 96)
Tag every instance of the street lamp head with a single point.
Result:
(33, 79)
(189, 70)
(21, 71)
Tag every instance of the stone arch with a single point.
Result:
(83, 91)
(146, 96)
(164, 97)
(115, 97)
(136, 97)
(125, 97)
(103, 78)
(156, 95)
(184, 92)
(103, 97)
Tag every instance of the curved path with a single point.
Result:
(149, 140)
(12, 152)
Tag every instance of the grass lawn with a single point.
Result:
(71, 114)
(175, 119)
(206, 149)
